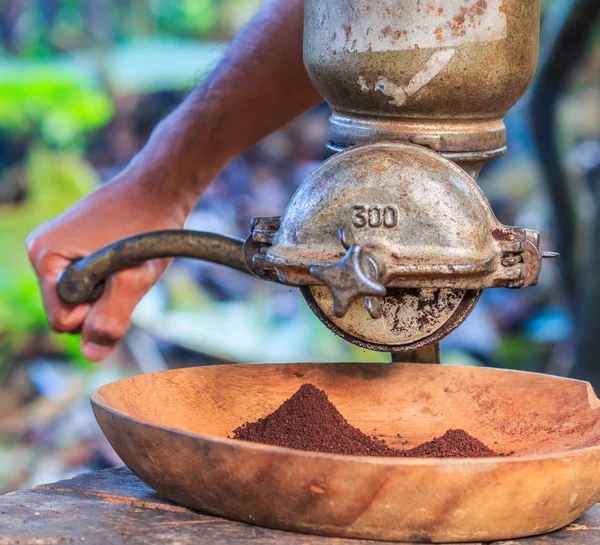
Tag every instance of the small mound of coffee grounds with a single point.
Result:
(309, 421)
(453, 444)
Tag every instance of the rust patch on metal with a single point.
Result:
(467, 16)
(504, 235)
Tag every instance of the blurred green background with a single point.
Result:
(82, 84)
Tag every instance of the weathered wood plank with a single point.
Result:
(114, 507)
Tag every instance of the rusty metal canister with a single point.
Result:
(441, 73)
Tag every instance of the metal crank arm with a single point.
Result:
(83, 280)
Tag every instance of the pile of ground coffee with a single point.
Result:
(309, 421)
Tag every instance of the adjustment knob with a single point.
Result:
(347, 281)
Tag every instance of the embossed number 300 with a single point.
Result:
(375, 216)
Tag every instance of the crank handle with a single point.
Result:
(83, 280)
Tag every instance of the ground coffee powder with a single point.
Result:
(453, 444)
(309, 421)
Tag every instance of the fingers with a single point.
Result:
(109, 318)
(62, 318)
(104, 323)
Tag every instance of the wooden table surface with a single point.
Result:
(113, 507)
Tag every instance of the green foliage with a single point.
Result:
(55, 181)
(521, 353)
(48, 29)
(186, 16)
(21, 314)
(53, 104)
(48, 107)
(131, 67)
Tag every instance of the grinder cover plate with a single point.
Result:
(417, 212)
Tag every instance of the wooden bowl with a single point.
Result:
(171, 429)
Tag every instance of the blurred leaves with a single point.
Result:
(186, 16)
(51, 103)
(45, 110)
(54, 182)
(521, 353)
(42, 30)
(133, 66)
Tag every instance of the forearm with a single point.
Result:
(259, 86)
